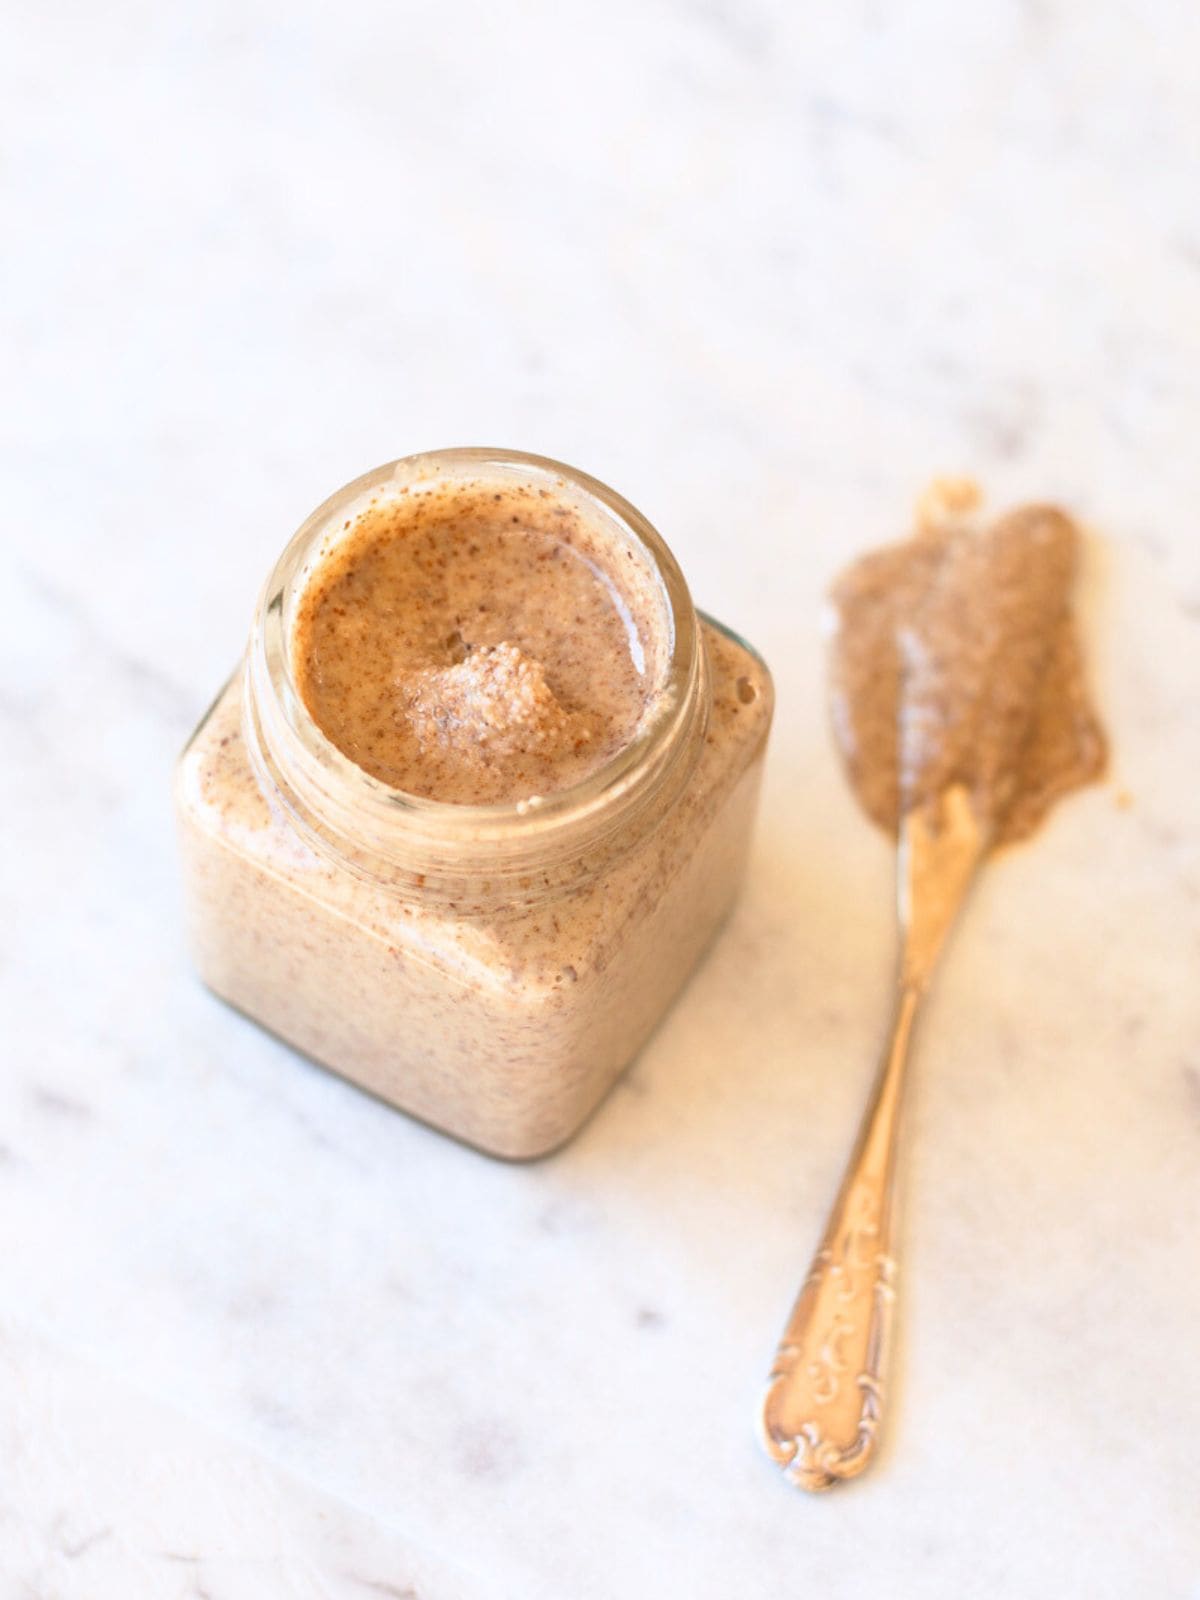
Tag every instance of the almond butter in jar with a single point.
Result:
(479, 797)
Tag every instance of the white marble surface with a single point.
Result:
(764, 267)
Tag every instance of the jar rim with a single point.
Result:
(327, 791)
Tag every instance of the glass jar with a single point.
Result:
(490, 969)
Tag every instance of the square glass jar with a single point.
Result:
(489, 969)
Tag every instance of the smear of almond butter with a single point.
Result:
(955, 659)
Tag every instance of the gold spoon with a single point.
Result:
(825, 1401)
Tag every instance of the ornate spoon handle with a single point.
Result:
(825, 1401)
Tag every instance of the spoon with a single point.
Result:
(827, 1394)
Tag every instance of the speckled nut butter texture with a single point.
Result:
(955, 659)
(470, 644)
(463, 655)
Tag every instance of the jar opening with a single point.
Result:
(377, 826)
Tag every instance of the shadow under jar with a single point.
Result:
(488, 967)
